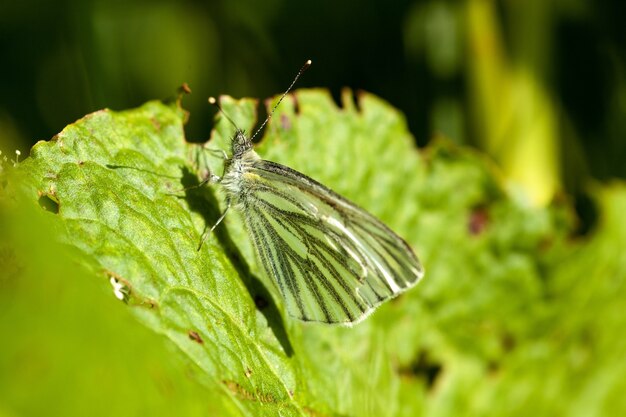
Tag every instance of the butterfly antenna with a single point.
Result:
(306, 65)
(214, 102)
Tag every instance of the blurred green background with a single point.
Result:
(539, 85)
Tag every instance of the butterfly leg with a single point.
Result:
(220, 152)
(206, 232)
(211, 179)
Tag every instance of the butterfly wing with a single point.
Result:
(332, 261)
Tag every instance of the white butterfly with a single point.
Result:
(331, 261)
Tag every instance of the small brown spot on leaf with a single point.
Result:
(155, 122)
(193, 335)
(508, 342)
(184, 89)
(478, 220)
(243, 393)
(238, 390)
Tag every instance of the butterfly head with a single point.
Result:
(240, 144)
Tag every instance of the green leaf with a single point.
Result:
(68, 347)
(489, 330)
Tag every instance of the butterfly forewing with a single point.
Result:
(332, 261)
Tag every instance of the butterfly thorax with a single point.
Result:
(237, 166)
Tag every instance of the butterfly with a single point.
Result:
(331, 261)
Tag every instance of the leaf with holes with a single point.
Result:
(483, 333)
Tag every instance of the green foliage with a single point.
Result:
(514, 317)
